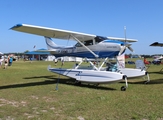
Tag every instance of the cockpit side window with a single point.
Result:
(99, 39)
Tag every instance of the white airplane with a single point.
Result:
(130, 72)
(157, 60)
(88, 46)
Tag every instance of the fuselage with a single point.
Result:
(105, 48)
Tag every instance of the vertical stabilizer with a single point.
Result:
(50, 44)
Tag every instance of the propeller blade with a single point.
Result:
(122, 50)
(130, 49)
(128, 45)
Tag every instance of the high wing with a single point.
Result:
(122, 39)
(60, 34)
(157, 44)
(51, 32)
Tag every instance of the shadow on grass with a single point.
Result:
(95, 87)
(53, 80)
(159, 72)
(70, 81)
(47, 77)
(155, 81)
(26, 84)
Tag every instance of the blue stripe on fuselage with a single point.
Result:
(113, 41)
(87, 54)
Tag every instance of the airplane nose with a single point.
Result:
(122, 44)
(123, 48)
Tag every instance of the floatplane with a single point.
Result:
(88, 46)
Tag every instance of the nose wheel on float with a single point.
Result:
(123, 88)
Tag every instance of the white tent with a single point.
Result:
(1, 53)
(50, 58)
(73, 59)
(1, 57)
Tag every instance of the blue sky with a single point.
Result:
(142, 18)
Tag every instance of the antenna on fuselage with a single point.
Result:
(123, 47)
(126, 45)
(125, 33)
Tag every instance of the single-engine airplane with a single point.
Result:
(87, 46)
(157, 44)
(157, 60)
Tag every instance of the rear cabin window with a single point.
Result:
(78, 45)
(86, 43)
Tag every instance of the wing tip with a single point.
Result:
(154, 44)
(16, 26)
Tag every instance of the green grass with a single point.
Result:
(27, 91)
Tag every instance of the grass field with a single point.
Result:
(27, 91)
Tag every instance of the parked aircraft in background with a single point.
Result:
(157, 44)
(157, 60)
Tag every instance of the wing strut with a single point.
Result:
(96, 56)
(103, 63)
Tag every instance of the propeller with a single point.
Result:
(126, 45)
(130, 49)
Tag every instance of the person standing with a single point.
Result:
(1, 61)
(10, 61)
(5, 63)
(62, 62)
(55, 61)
